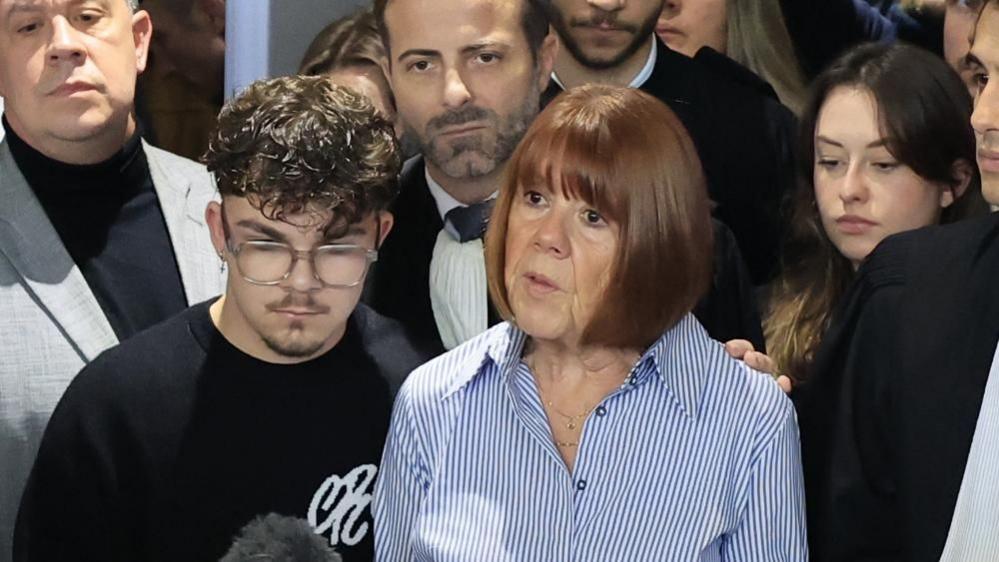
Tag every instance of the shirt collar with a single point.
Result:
(643, 75)
(445, 202)
(676, 359)
(442, 198)
(501, 346)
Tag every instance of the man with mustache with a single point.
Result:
(273, 398)
(101, 235)
(900, 420)
(742, 133)
(467, 78)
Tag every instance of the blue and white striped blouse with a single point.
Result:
(694, 457)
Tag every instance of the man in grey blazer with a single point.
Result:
(101, 235)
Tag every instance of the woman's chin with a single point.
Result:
(542, 323)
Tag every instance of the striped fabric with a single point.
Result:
(974, 529)
(694, 457)
(458, 289)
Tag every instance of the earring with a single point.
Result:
(222, 264)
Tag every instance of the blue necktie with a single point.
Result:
(470, 222)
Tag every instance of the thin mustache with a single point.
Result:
(459, 117)
(297, 303)
(601, 18)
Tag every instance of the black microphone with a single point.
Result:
(279, 538)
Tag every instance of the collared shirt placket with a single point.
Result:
(584, 487)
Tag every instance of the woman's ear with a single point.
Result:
(962, 171)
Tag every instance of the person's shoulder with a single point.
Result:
(721, 69)
(179, 172)
(736, 390)
(389, 343)
(753, 399)
(749, 386)
(163, 355)
(175, 162)
(448, 373)
(414, 209)
(413, 170)
(907, 256)
(412, 183)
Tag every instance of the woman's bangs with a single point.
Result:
(574, 163)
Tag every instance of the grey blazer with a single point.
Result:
(51, 324)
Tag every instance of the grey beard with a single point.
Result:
(508, 136)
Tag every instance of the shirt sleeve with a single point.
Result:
(402, 483)
(773, 526)
(73, 507)
(847, 434)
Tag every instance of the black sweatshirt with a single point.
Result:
(166, 445)
(109, 219)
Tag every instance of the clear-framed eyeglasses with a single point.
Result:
(334, 265)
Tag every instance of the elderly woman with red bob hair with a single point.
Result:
(600, 422)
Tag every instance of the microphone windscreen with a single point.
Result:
(279, 538)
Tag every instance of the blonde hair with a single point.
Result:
(758, 39)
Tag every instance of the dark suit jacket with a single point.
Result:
(889, 413)
(744, 138)
(399, 285)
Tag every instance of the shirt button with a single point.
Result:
(581, 485)
(601, 411)
(633, 381)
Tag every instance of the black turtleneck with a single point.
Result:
(109, 219)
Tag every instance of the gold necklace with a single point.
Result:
(571, 422)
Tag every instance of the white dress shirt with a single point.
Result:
(974, 529)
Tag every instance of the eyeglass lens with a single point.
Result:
(267, 262)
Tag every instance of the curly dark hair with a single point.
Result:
(302, 144)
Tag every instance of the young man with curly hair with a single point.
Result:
(274, 397)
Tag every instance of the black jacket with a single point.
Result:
(889, 413)
(166, 445)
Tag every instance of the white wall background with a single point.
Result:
(266, 38)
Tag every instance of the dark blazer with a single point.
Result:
(399, 284)
(744, 137)
(892, 404)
